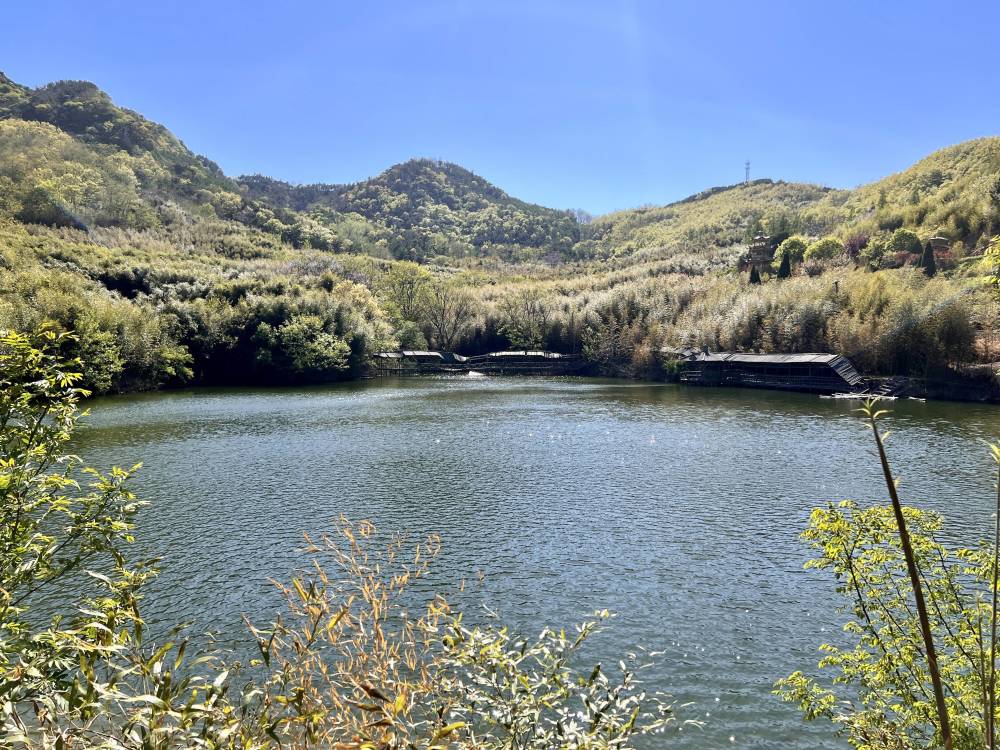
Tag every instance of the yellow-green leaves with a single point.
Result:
(876, 687)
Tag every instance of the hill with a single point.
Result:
(70, 157)
(953, 193)
(432, 208)
(83, 111)
(717, 218)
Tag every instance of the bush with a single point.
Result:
(795, 247)
(81, 673)
(827, 248)
(876, 253)
(905, 241)
(921, 627)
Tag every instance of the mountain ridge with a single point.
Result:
(422, 208)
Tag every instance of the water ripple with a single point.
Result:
(678, 508)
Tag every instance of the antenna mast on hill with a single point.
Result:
(746, 179)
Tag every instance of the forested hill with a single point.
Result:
(717, 218)
(116, 168)
(70, 156)
(432, 208)
(954, 193)
(83, 111)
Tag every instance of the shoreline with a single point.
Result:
(926, 389)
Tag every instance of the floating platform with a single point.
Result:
(519, 362)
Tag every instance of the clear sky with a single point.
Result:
(594, 105)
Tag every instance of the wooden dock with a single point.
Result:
(522, 362)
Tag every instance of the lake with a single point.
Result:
(678, 508)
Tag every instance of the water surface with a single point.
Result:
(678, 508)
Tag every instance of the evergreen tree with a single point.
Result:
(927, 260)
(754, 275)
(785, 269)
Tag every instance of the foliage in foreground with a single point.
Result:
(348, 667)
(882, 691)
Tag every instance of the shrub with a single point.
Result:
(82, 674)
(351, 662)
(855, 243)
(905, 241)
(812, 267)
(794, 247)
(827, 248)
(920, 668)
(876, 253)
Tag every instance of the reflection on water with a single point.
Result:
(678, 508)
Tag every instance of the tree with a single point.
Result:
(447, 310)
(927, 261)
(827, 248)
(310, 349)
(785, 269)
(525, 318)
(875, 254)
(991, 262)
(795, 247)
(403, 286)
(905, 241)
(754, 275)
(994, 193)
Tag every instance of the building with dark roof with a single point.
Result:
(813, 373)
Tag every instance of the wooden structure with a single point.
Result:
(811, 373)
(521, 362)
(760, 253)
(940, 245)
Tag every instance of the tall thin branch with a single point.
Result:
(918, 594)
(992, 702)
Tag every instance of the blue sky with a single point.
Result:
(595, 105)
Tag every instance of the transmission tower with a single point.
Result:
(746, 179)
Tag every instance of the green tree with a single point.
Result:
(827, 248)
(785, 269)
(994, 193)
(905, 241)
(927, 261)
(794, 247)
(991, 262)
(525, 318)
(876, 253)
(403, 286)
